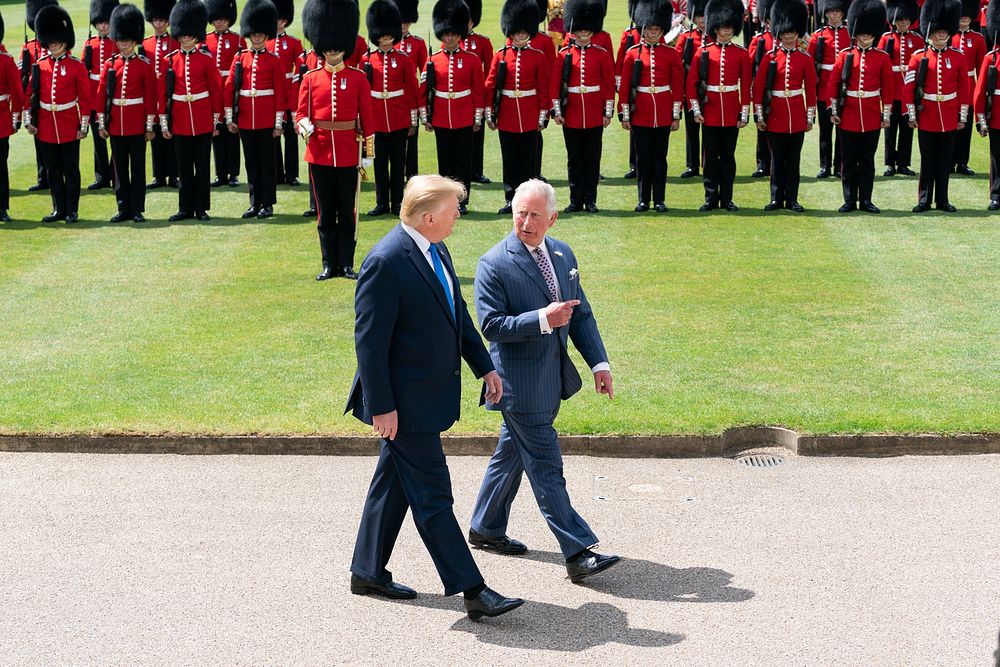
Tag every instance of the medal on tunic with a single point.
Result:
(947, 63)
(409, 48)
(62, 70)
(393, 63)
(343, 84)
(460, 64)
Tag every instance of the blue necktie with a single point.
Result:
(439, 270)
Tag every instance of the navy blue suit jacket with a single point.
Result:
(409, 347)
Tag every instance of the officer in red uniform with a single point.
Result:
(938, 95)
(583, 100)
(987, 100)
(479, 45)
(95, 52)
(395, 103)
(688, 42)
(288, 49)
(718, 92)
(32, 52)
(416, 49)
(452, 98)
(861, 108)
(762, 42)
(254, 96)
(334, 116)
(126, 106)
(223, 44)
(784, 100)
(517, 90)
(155, 48)
(900, 43)
(11, 92)
(650, 97)
(973, 46)
(189, 114)
(824, 45)
(57, 109)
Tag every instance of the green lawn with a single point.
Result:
(819, 322)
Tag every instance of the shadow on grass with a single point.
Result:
(19, 225)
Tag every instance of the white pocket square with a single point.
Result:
(573, 273)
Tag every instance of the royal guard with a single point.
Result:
(334, 116)
(190, 108)
(762, 43)
(938, 94)
(651, 96)
(32, 52)
(126, 106)
(288, 49)
(583, 100)
(688, 42)
(57, 110)
(545, 43)
(254, 99)
(824, 45)
(223, 44)
(972, 45)
(155, 48)
(415, 49)
(517, 90)
(900, 43)
(478, 45)
(860, 101)
(987, 99)
(718, 92)
(784, 100)
(395, 103)
(307, 60)
(11, 91)
(95, 52)
(453, 93)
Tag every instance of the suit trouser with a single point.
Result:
(858, 167)
(102, 166)
(390, 156)
(62, 169)
(412, 153)
(262, 177)
(719, 162)
(194, 157)
(693, 153)
(412, 473)
(830, 152)
(763, 153)
(994, 165)
(531, 448)
(164, 157)
(936, 149)
(516, 170)
(39, 163)
(336, 190)
(786, 153)
(128, 158)
(226, 152)
(651, 144)
(478, 146)
(583, 163)
(898, 138)
(963, 141)
(4, 174)
(287, 163)
(454, 154)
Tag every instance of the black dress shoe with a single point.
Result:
(293, 181)
(173, 183)
(99, 185)
(573, 208)
(482, 180)
(600, 177)
(506, 209)
(707, 206)
(823, 173)
(905, 171)
(394, 210)
(587, 563)
(4, 217)
(233, 182)
(921, 208)
(730, 206)
(202, 216)
(381, 209)
(836, 173)
(250, 213)
(794, 206)
(391, 590)
(964, 170)
(72, 218)
(503, 545)
(40, 185)
(947, 207)
(265, 212)
(463, 209)
(54, 216)
(641, 207)
(772, 206)
(349, 273)
(759, 173)
(139, 217)
(869, 207)
(630, 174)
(218, 183)
(689, 173)
(178, 216)
(591, 208)
(994, 205)
(154, 184)
(889, 172)
(327, 273)
(120, 217)
(848, 207)
(309, 213)
(490, 603)
(660, 207)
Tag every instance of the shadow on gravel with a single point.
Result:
(637, 579)
(550, 627)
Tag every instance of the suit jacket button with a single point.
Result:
(458, 372)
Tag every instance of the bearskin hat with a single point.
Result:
(221, 9)
(331, 25)
(824, 6)
(992, 28)
(383, 19)
(450, 16)
(789, 16)
(31, 9)
(127, 24)
(719, 13)
(866, 17)
(971, 8)
(2, 28)
(584, 15)
(653, 12)
(543, 9)
(53, 24)
(408, 10)
(764, 11)
(940, 15)
(286, 10)
(188, 18)
(518, 15)
(475, 11)
(100, 11)
(696, 8)
(902, 9)
(259, 16)
(158, 9)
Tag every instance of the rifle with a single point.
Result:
(772, 72)
(430, 80)
(88, 53)
(918, 86)
(688, 53)
(636, 76)
(845, 77)
(991, 84)
(171, 85)
(820, 51)
(369, 72)
(630, 37)
(25, 64)
(890, 45)
(758, 55)
(499, 82)
(110, 95)
(36, 100)
(567, 69)
(702, 85)
(237, 86)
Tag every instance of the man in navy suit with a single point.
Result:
(530, 305)
(412, 330)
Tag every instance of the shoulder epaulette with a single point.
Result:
(315, 69)
(356, 69)
(416, 37)
(634, 46)
(598, 46)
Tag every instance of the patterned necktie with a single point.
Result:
(546, 268)
(439, 270)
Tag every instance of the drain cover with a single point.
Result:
(760, 460)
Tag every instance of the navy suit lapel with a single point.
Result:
(527, 264)
(424, 269)
(559, 266)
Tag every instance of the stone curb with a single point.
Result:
(729, 443)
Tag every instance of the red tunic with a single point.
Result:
(223, 47)
(10, 95)
(262, 91)
(101, 48)
(528, 72)
(601, 39)
(360, 49)
(479, 45)
(763, 40)
(155, 49)
(623, 45)
(904, 44)
(64, 93)
(992, 58)
(460, 89)
(661, 86)
(287, 49)
(197, 101)
(947, 90)
(729, 95)
(543, 42)
(870, 89)
(134, 99)
(834, 41)
(591, 86)
(793, 91)
(395, 95)
(973, 46)
(416, 48)
(32, 51)
(342, 96)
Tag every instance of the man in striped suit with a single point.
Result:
(530, 305)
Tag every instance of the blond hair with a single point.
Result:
(426, 194)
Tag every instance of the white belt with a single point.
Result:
(452, 96)
(899, 68)
(787, 93)
(263, 92)
(127, 101)
(972, 72)
(4, 98)
(518, 93)
(58, 107)
(863, 93)
(828, 68)
(996, 92)
(722, 89)
(652, 90)
(387, 94)
(940, 98)
(223, 72)
(190, 98)
(95, 77)
(583, 89)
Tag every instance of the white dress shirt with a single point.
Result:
(425, 248)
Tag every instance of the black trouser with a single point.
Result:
(62, 168)
(631, 151)
(691, 130)
(763, 153)
(336, 191)
(102, 166)
(226, 151)
(194, 158)
(454, 153)
(390, 154)
(786, 153)
(128, 158)
(262, 176)
(936, 150)
(39, 163)
(583, 163)
(963, 139)
(514, 146)
(994, 165)
(164, 157)
(829, 144)
(287, 163)
(858, 167)
(719, 162)
(4, 174)
(478, 146)
(898, 138)
(538, 154)
(651, 146)
(412, 153)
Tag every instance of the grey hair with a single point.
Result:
(536, 187)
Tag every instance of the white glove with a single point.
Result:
(367, 163)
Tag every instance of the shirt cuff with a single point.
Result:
(603, 366)
(543, 322)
